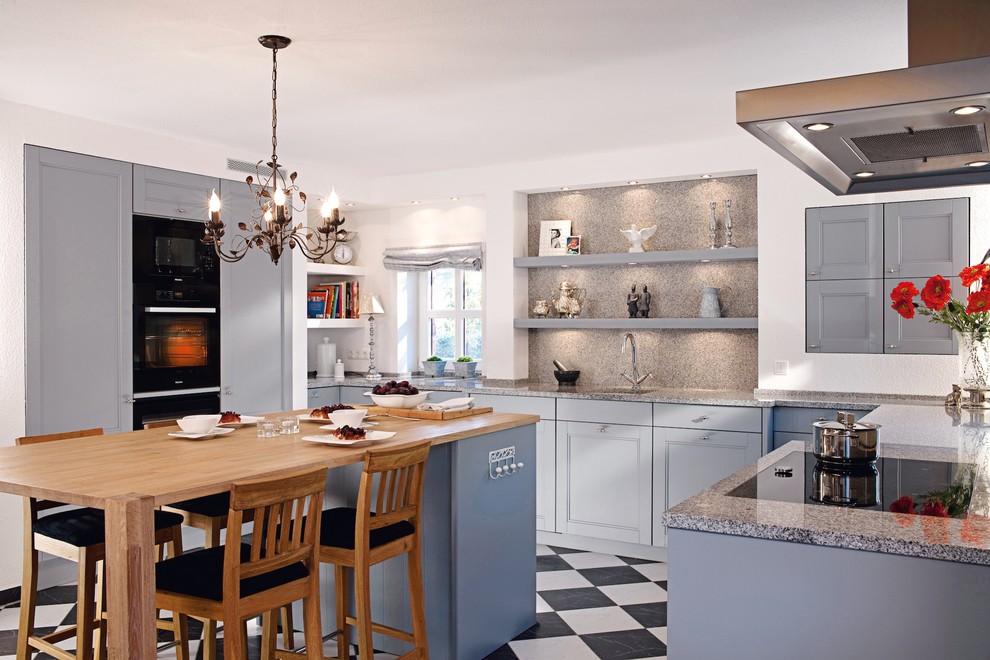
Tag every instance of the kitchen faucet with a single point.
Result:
(635, 378)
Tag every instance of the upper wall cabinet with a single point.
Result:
(844, 242)
(172, 194)
(857, 254)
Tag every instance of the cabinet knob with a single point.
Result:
(811, 273)
(703, 418)
(601, 429)
(891, 346)
(128, 399)
(891, 270)
(227, 391)
(181, 210)
(812, 345)
(704, 438)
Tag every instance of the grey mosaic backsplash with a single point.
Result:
(703, 359)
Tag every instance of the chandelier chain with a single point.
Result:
(274, 107)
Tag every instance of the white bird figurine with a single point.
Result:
(636, 236)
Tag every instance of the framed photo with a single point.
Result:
(573, 245)
(553, 237)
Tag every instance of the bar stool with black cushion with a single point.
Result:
(77, 534)
(385, 524)
(237, 581)
(209, 513)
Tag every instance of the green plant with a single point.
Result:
(465, 358)
(433, 358)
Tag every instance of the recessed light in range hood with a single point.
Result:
(920, 127)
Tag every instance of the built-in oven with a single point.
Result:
(160, 408)
(165, 249)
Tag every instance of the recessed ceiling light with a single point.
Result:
(565, 188)
(349, 204)
(633, 263)
(979, 163)
(706, 261)
(706, 176)
(454, 199)
(865, 174)
(967, 110)
(632, 183)
(415, 201)
(818, 126)
(565, 266)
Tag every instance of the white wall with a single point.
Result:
(27, 125)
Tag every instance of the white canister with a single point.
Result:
(338, 369)
(326, 355)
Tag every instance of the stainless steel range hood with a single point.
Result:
(885, 131)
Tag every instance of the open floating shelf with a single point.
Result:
(334, 323)
(639, 258)
(641, 324)
(313, 268)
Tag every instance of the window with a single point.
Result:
(452, 318)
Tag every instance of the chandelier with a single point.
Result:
(271, 226)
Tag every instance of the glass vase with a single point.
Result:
(974, 360)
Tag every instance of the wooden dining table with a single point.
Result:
(129, 474)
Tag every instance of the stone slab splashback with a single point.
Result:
(703, 359)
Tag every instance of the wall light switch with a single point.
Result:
(780, 367)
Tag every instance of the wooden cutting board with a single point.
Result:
(428, 414)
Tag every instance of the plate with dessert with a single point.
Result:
(322, 414)
(348, 436)
(215, 431)
(333, 427)
(232, 420)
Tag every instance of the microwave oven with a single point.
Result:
(169, 250)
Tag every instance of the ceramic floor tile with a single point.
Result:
(564, 551)
(549, 624)
(542, 550)
(541, 605)
(635, 560)
(503, 652)
(592, 560)
(660, 633)
(552, 563)
(556, 648)
(599, 619)
(652, 571)
(648, 615)
(633, 594)
(612, 575)
(626, 645)
(573, 599)
(550, 580)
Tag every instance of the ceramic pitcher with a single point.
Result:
(710, 308)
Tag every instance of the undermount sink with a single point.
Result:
(621, 390)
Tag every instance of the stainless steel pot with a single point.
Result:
(852, 484)
(846, 440)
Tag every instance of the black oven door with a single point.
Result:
(164, 249)
(176, 348)
(167, 408)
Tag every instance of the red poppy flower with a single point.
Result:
(904, 307)
(936, 293)
(971, 274)
(904, 291)
(903, 504)
(978, 301)
(934, 508)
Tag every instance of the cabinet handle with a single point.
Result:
(704, 438)
(891, 346)
(891, 270)
(703, 418)
(811, 273)
(601, 429)
(128, 399)
(181, 210)
(227, 391)
(812, 345)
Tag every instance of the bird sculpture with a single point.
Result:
(636, 236)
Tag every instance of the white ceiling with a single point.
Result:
(395, 86)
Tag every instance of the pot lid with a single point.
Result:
(846, 422)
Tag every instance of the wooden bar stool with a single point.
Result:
(76, 534)
(238, 581)
(209, 513)
(385, 524)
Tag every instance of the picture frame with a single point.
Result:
(573, 245)
(553, 237)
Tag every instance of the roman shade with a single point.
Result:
(466, 256)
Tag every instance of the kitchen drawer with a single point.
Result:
(353, 395)
(715, 438)
(800, 420)
(323, 396)
(726, 418)
(524, 405)
(605, 412)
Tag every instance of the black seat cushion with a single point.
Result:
(209, 505)
(200, 574)
(337, 529)
(84, 527)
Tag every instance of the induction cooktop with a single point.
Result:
(800, 478)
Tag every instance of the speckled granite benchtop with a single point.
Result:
(755, 398)
(907, 431)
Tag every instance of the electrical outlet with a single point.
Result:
(780, 367)
(364, 355)
(350, 353)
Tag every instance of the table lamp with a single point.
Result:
(370, 305)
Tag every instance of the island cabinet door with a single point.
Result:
(604, 481)
(693, 460)
(317, 397)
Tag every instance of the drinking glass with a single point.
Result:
(289, 425)
(267, 428)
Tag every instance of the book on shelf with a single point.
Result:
(341, 300)
(316, 304)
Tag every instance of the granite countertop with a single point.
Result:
(754, 398)
(907, 431)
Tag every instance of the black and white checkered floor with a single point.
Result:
(588, 606)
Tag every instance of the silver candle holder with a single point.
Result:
(711, 228)
(728, 224)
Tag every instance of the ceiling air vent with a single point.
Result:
(921, 144)
(251, 168)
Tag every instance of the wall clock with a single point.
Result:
(343, 254)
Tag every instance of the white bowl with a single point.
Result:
(398, 400)
(198, 424)
(348, 417)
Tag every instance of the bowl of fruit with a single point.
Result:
(396, 394)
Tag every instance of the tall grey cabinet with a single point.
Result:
(78, 292)
(856, 254)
